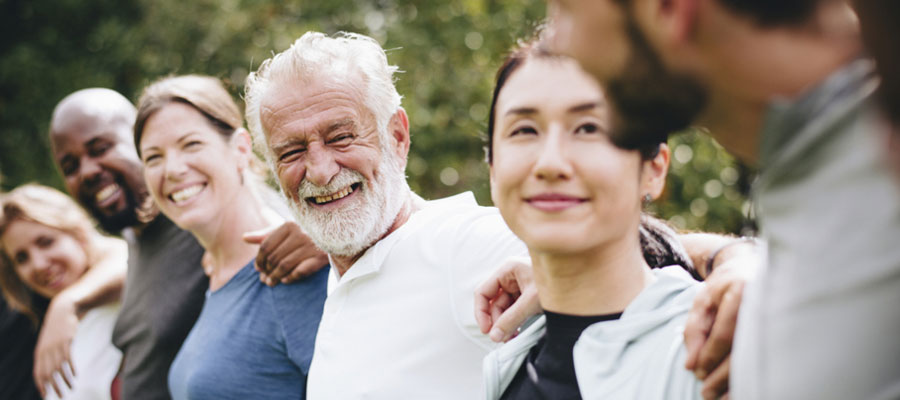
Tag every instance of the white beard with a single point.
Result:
(355, 227)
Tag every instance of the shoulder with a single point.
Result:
(305, 294)
(461, 217)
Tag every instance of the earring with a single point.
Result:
(647, 199)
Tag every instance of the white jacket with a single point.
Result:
(639, 356)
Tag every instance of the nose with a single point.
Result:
(39, 262)
(175, 167)
(553, 163)
(320, 165)
(90, 170)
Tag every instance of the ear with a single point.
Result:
(653, 173)
(668, 20)
(241, 144)
(492, 184)
(399, 131)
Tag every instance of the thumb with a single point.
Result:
(257, 236)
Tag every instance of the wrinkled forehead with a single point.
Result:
(301, 103)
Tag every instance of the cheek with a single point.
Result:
(153, 181)
(289, 177)
(75, 254)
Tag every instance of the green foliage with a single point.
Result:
(448, 52)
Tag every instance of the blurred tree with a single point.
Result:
(448, 52)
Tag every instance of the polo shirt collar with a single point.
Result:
(374, 257)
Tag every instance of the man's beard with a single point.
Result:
(650, 102)
(350, 230)
(115, 223)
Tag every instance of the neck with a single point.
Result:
(748, 67)
(600, 281)
(412, 204)
(226, 251)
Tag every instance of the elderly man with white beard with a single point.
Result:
(398, 321)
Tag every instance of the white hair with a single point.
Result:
(316, 56)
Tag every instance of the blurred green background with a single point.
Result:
(448, 52)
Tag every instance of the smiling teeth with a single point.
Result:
(106, 192)
(337, 196)
(185, 193)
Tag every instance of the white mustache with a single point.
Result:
(344, 178)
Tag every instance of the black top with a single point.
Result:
(164, 292)
(18, 336)
(549, 370)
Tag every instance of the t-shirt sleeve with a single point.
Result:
(480, 243)
(298, 307)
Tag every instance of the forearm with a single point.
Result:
(708, 250)
(103, 282)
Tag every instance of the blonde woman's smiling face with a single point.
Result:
(46, 259)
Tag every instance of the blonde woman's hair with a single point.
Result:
(51, 208)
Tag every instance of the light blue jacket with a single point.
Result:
(639, 356)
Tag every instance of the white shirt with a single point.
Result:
(400, 323)
(94, 357)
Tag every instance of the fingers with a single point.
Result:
(269, 245)
(306, 268)
(697, 327)
(50, 363)
(716, 384)
(257, 237)
(484, 295)
(508, 323)
(718, 345)
(500, 304)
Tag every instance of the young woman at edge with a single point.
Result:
(612, 326)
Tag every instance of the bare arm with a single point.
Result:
(101, 284)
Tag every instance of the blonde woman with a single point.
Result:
(48, 243)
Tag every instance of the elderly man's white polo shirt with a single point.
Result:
(400, 323)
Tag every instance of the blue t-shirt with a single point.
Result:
(251, 341)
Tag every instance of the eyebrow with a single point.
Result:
(180, 140)
(583, 107)
(280, 147)
(574, 109)
(339, 124)
(522, 111)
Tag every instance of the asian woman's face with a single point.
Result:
(192, 171)
(46, 259)
(559, 182)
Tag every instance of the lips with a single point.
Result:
(554, 202)
(329, 198)
(107, 195)
(52, 279)
(182, 195)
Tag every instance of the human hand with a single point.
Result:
(52, 352)
(286, 254)
(709, 330)
(506, 299)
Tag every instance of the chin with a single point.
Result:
(554, 241)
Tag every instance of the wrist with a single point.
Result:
(730, 250)
(68, 300)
